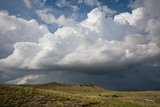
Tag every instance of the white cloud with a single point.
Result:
(86, 47)
(28, 3)
(107, 28)
(51, 19)
(61, 3)
(37, 78)
(153, 27)
(20, 29)
(152, 7)
(20, 56)
(133, 19)
(13, 29)
(92, 2)
(29, 79)
(106, 10)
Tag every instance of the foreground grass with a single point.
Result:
(54, 94)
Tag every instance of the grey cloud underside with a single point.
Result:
(98, 69)
(107, 51)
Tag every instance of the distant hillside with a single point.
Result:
(62, 95)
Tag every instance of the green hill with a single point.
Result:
(62, 95)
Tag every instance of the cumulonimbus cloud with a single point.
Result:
(96, 45)
(85, 47)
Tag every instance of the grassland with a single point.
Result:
(65, 95)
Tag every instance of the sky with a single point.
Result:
(109, 43)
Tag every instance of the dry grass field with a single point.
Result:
(67, 95)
